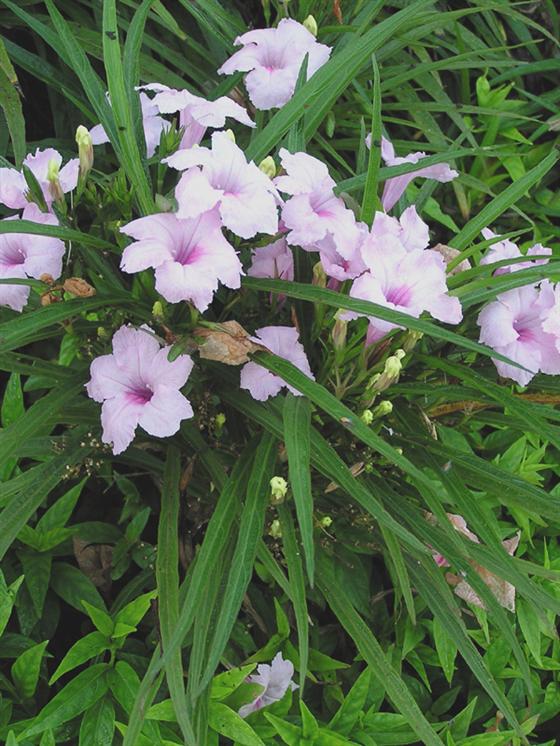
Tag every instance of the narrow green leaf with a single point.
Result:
(371, 201)
(10, 102)
(83, 650)
(229, 724)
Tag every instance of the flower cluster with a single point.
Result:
(220, 200)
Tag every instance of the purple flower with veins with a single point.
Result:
(13, 187)
(506, 249)
(275, 260)
(314, 211)
(394, 188)
(25, 255)
(272, 59)
(221, 177)
(196, 114)
(517, 325)
(189, 256)
(137, 385)
(275, 679)
(284, 342)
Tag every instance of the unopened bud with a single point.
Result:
(275, 529)
(391, 372)
(268, 166)
(102, 332)
(319, 276)
(157, 309)
(339, 333)
(231, 135)
(54, 182)
(367, 417)
(326, 521)
(311, 25)
(278, 488)
(411, 339)
(85, 150)
(219, 420)
(384, 408)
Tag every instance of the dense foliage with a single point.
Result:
(352, 540)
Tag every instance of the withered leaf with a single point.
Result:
(227, 343)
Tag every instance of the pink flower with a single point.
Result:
(196, 114)
(284, 342)
(189, 256)
(335, 265)
(139, 386)
(513, 325)
(275, 679)
(395, 187)
(153, 124)
(221, 176)
(408, 281)
(506, 249)
(13, 186)
(25, 255)
(314, 211)
(272, 58)
(275, 260)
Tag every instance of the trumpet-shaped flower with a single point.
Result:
(196, 114)
(42, 164)
(407, 281)
(138, 385)
(314, 211)
(153, 125)
(246, 197)
(275, 260)
(284, 342)
(335, 265)
(25, 255)
(272, 59)
(189, 256)
(506, 249)
(514, 325)
(396, 186)
(275, 679)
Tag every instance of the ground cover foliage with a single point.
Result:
(139, 591)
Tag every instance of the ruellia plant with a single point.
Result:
(280, 345)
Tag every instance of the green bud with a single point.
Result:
(85, 150)
(367, 417)
(391, 372)
(311, 25)
(157, 309)
(278, 488)
(54, 182)
(411, 339)
(102, 332)
(319, 276)
(384, 408)
(220, 420)
(268, 166)
(326, 521)
(275, 529)
(338, 333)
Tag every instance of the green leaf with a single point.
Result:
(371, 201)
(74, 587)
(25, 671)
(348, 713)
(446, 650)
(529, 623)
(101, 620)
(309, 725)
(7, 599)
(61, 510)
(37, 570)
(77, 696)
(10, 102)
(297, 423)
(288, 732)
(83, 650)
(227, 682)
(136, 610)
(167, 577)
(56, 231)
(98, 724)
(229, 724)
(12, 402)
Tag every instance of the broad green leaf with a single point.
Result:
(229, 724)
(25, 671)
(61, 510)
(446, 650)
(74, 587)
(7, 599)
(227, 682)
(101, 620)
(83, 650)
(98, 724)
(133, 613)
(349, 711)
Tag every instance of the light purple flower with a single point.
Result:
(196, 114)
(272, 58)
(314, 211)
(506, 249)
(189, 256)
(396, 186)
(139, 386)
(275, 260)
(513, 325)
(284, 342)
(153, 124)
(407, 281)
(221, 176)
(13, 186)
(335, 265)
(388, 233)
(275, 679)
(25, 255)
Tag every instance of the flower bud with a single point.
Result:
(326, 521)
(231, 135)
(157, 309)
(384, 408)
(391, 372)
(85, 150)
(311, 25)
(319, 276)
(219, 420)
(275, 529)
(278, 488)
(411, 339)
(338, 333)
(268, 166)
(54, 182)
(367, 417)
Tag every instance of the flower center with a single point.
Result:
(140, 394)
(399, 296)
(524, 333)
(188, 254)
(12, 257)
